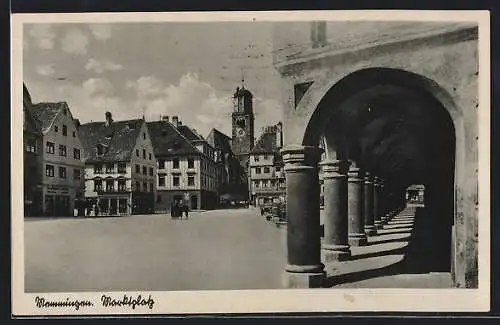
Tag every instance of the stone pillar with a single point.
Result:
(335, 240)
(355, 184)
(304, 268)
(368, 206)
(377, 204)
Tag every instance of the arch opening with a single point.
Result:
(400, 127)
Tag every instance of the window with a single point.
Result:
(56, 128)
(98, 169)
(137, 186)
(65, 112)
(97, 185)
(256, 158)
(145, 186)
(161, 164)
(122, 184)
(265, 157)
(255, 184)
(62, 172)
(100, 150)
(144, 153)
(150, 171)
(278, 169)
(110, 185)
(175, 181)
(257, 170)
(110, 168)
(76, 153)
(150, 156)
(74, 134)
(77, 174)
(161, 180)
(151, 186)
(190, 180)
(137, 169)
(122, 168)
(49, 170)
(62, 150)
(266, 170)
(31, 145)
(265, 183)
(144, 170)
(137, 152)
(176, 163)
(65, 130)
(190, 163)
(50, 147)
(144, 137)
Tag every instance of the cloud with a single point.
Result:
(101, 32)
(195, 102)
(98, 87)
(43, 35)
(75, 42)
(102, 66)
(45, 69)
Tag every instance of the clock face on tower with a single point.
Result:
(240, 132)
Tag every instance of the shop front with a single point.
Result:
(59, 200)
(109, 205)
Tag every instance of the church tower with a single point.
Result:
(242, 124)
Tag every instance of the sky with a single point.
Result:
(185, 69)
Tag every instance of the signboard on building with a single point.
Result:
(57, 189)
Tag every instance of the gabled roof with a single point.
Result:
(118, 139)
(167, 140)
(189, 133)
(266, 143)
(220, 141)
(46, 113)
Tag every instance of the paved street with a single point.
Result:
(224, 249)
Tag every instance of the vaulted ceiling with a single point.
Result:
(400, 134)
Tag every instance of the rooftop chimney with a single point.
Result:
(109, 119)
(175, 121)
(165, 118)
(179, 123)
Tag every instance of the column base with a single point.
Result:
(370, 230)
(303, 280)
(357, 240)
(379, 224)
(335, 253)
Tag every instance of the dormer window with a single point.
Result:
(131, 126)
(100, 150)
(164, 132)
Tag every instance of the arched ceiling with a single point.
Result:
(400, 134)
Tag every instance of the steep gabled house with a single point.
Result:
(186, 166)
(33, 163)
(232, 179)
(267, 179)
(120, 166)
(62, 183)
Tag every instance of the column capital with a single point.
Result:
(299, 157)
(369, 179)
(334, 168)
(354, 174)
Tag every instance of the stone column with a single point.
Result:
(368, 206)
(335, 240)
(377, 204)
(304, 268)
(355, 184)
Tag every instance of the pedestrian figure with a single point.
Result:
(172, 209)
(185, 209)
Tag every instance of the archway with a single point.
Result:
(403, 128)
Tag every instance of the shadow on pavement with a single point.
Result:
(424, 253)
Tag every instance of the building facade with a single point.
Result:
(266, 175)
(232, 176)
(33, 163)
(187, 168)
(343, 88)
(120, 167)
(62, 184)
